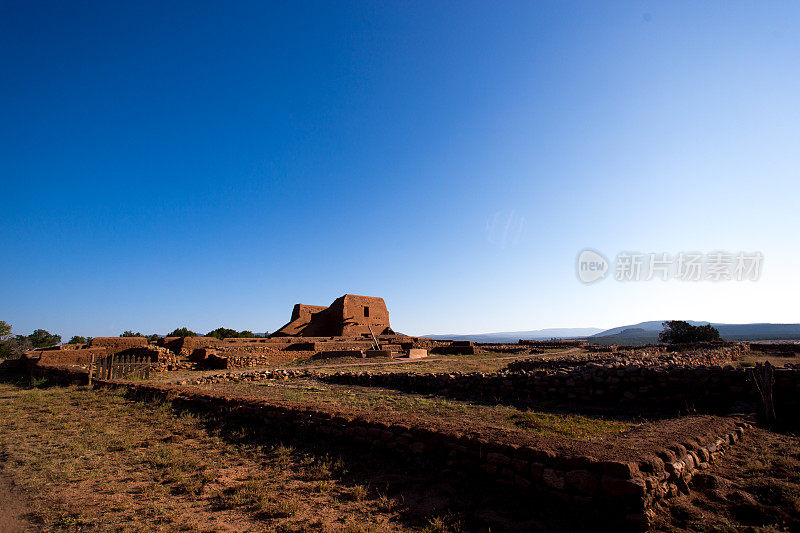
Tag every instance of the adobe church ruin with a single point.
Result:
(351, 326)
(348, 316)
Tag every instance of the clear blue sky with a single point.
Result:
(205, 164)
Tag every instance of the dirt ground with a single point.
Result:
(13, 508)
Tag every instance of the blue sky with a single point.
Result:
(208, 164)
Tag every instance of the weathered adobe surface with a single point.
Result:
(118, 344)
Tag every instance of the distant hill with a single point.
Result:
(514, 336)
(641, 333)
(647, 332)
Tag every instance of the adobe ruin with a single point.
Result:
(350, 315)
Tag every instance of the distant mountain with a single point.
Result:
(647, 332)
(514, 336)
(641, 333)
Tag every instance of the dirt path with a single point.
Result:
(13, 509)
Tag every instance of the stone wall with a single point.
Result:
(654, 355)
(781, 349)
(635, 389)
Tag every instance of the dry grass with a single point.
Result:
(92, 460)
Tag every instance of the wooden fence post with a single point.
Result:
(91, 370)
(764, 378)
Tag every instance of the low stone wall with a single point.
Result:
(637, 389)
(553, 343)
(622, 492)
(653, 355)
(781, 349)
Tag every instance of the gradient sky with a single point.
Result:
(212, 163)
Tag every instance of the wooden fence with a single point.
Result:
(121, 366)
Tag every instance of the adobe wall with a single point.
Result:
(359, 313)
(117, 344)
(75, 356)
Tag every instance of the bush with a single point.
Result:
(226, 333)
(41, 339)
(129, 333)
(77, 340)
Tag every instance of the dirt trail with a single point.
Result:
(13, 509)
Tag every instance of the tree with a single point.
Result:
(129, 333)
(153, 338)
(226, 333)
(182, 332)
(680, 331)
(41, 339)
(223, 333)
(77, 340)
(5, 329)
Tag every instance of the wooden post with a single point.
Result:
(91, 370)
(764, 378)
